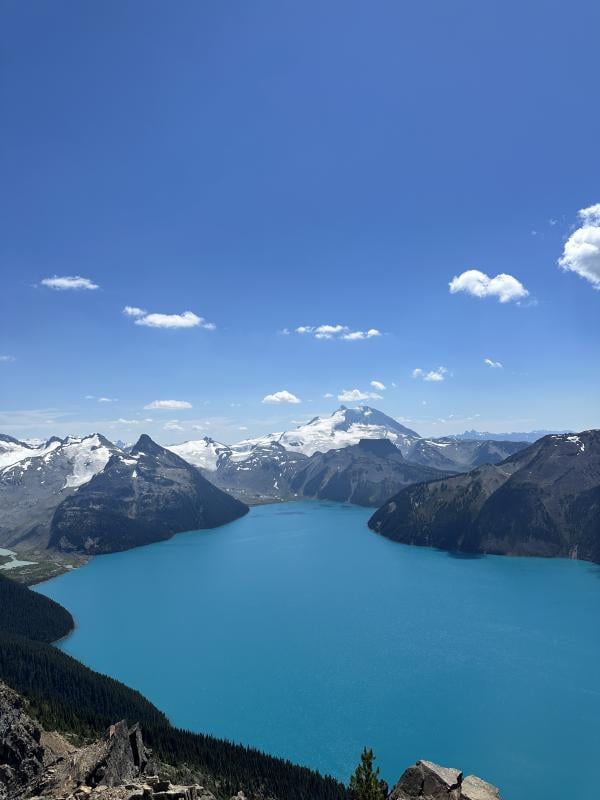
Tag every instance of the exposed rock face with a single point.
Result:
(542, 501)
(428, 781)
(140, 497)
(264, 473)
(22, 756)
(34, 762)
(367, 474)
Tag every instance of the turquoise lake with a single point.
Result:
(299, 631)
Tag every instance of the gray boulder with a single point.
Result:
(428, 781)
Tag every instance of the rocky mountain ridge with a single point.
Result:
(263, 469)
(366, 474)
(143, 496)
(86, 495)
(542, 501)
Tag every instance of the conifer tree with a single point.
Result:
(366, 784)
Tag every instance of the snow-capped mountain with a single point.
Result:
(39, 477)
(13, 450)
(88, 495)
(202, 453)
(78, 458)
(264, 468)
(142, 496)
(345, 427)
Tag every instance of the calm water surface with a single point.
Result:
(299, 631)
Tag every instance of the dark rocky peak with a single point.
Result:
(147, 446)
(379, 447)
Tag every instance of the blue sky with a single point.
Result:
(273, 165)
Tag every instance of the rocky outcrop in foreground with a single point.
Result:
(428, 781)
(36, 763)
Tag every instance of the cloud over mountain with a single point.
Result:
(357, 396)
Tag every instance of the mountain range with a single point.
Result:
(86, 495)
(265, 468)
(147, 495)
(542, 501)
(522, 436)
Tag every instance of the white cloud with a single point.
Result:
(504, 287)
(378, 385)
(153, 320)
(433, 376)
(337, 332)
(101, 399)
(277, 398)
(354, 336)
(122, 421)
(328, 395)
(6, 359)
(134, 311)
(493, 364)
(581, 253)
(63, 282)
(168, 404)
(356, 396)
(172, 425)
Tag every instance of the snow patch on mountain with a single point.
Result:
(202, 453)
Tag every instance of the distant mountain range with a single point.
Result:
(265, 468)
(86, 495)
(523, 436)
(542, 501)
